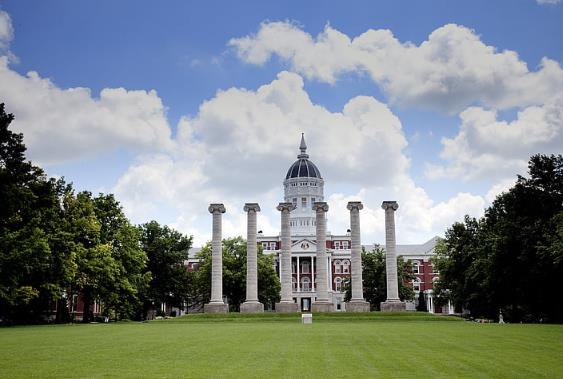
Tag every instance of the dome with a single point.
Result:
(303, 167)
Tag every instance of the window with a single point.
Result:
(345, 245)
(312, 202)
(305, 267)
(303, 202)
(272, 246)
(416, 285)
(293, 266)
(416, 269)
(294, 201)
(306, 284)
(346, 266)
(294, 284)
(337, 267)
(336, 245)
(265, 245)
(338, 284)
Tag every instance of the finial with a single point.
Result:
(303, 147)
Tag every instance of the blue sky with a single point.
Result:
(175, 105)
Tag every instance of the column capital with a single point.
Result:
(216, 208)
(320, 206)
(286, 207)
(251, 207)
(390, 205)
(355, 205)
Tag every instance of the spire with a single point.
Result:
(303, 148)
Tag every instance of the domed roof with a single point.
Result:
(303, 167)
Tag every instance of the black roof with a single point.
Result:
(303, 168)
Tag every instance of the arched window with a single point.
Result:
(416, 284)
(346, 266)
(294, 283)
(305, 267)
(338, 284)
(305, 284)
(337, 266)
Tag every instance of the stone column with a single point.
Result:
(357, 303)
(322, 304)
(393, 303)
(286, 304)
(251, 305)
(216, 304)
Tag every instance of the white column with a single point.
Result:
(216, 304)
(313, 274)
(329, 274)
(217, 254)
(285, 209)
(298, 278)
(251, 305)
(356, 250)
(390, 251)
(322, 304)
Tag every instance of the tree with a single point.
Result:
(234, 274)
(32, 272)
(511, 258)
(167, 251)
(375, 279)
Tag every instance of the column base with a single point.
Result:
(324, 306)
(288, 307)
(393, 306)
(216, 308)
(251, 307)
(355, 306)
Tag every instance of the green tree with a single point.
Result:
(375, 280)
(167, 251)
(32, 273)
(511, 258)
(234, 274)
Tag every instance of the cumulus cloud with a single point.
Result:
(241, 142)
(488, 147)
(66, 124)
(452, 69)
(6, 30)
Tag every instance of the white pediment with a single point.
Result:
(304, 245)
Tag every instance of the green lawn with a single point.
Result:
(341, 345)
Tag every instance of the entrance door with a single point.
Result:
(306, 304)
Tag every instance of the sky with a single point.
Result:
(436, 104)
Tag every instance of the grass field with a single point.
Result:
(273, 345)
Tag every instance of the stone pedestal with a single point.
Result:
(393, 306)
(251, 307)
(287, 307)
(216, 308)
(325, 306)
(355, 306)
(216, 304)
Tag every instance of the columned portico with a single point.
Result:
(322, 304)
(393, 303)
(251, 305)
(216, 304)
(357, 303)
(286, 303)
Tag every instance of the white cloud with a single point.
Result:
(6, 30)
(238, 147)
(548, 2)
(452, 69)
(66, 124)
(488, 147)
